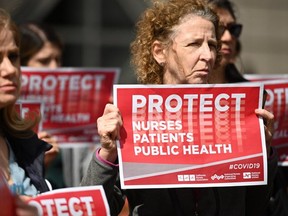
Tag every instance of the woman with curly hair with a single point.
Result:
(177, 42)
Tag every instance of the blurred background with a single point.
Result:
(98, 32)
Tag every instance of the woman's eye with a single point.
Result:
(194, 44)
(44, 61)
(13, 57)
(213, 46)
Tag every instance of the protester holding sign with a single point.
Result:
(22, 152)
(42, 47)
(73, 98)
(177, 42)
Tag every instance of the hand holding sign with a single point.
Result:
(52, 153)
(268, 125)
(109, 125)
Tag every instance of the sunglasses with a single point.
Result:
(235, 29)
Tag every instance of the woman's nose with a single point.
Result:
(53, 64)
(206, 53)
(226, 36)
(6, 67)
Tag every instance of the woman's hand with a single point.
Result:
(268, 118)
(109, 125)
(52, 153)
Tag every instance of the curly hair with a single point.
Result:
(156, 23)
(11, 122)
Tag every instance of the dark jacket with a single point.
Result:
(29, 153)
(233, 75)
(224, 201)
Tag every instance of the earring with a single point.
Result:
(162, 64)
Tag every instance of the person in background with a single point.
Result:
(21, 151)
(42, 47)
(177, 42)
(228, 73)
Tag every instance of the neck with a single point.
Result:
(218, 76)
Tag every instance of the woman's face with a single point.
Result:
(9, 69)
(48, 57)
(228, 48)
(191, 56)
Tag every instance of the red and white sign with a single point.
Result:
(90, 200)
(74, 98)
(276, 87)
(191, 135)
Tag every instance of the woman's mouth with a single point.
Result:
(8, 87)
(226, 51)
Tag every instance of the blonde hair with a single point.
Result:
(11, 121)
(156, 23)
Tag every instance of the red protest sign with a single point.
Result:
(7, 203)
(74, 98)
(277, 103)
(191, 135)
(276, 87)
(90, 200)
